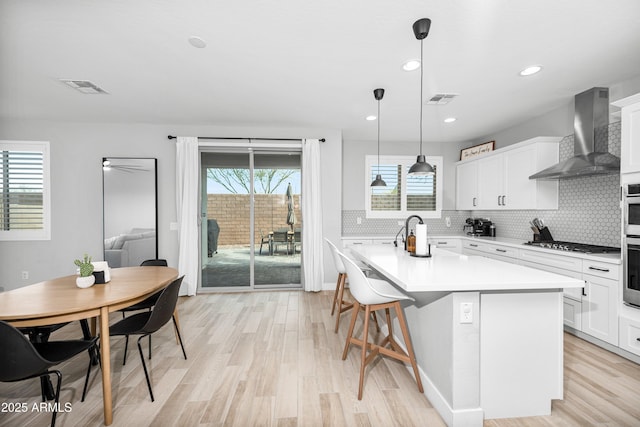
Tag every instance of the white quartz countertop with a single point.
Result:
(447, 271)
(614, 258)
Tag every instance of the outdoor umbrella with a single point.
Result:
(291, 215)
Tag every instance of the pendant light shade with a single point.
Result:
(421, 30)
(378, 182)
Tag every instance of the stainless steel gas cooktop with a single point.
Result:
(575, 247)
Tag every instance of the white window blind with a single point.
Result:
(404, 195)
(24, 190)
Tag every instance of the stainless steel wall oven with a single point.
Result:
(631, 245)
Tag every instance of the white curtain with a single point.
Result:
(312, 263)
(187, 206)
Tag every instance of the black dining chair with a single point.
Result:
(148, 322)
(21, 360)
(148, 303)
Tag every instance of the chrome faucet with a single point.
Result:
(406, 228)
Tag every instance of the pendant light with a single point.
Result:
(421, 30)
(378, 182)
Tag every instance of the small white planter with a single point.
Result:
(85, 282)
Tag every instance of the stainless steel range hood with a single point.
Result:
(591, 140)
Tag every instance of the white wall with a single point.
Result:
(559, 121)
(77, 150)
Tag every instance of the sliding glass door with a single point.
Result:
(251, 219)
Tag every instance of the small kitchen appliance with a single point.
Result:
(478, 227)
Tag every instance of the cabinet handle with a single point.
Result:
(604, 270)
(473, 245)
(442, 243)
(504, 200)
(501, 250)
(584, 294)
(499, 204)
(474, 201)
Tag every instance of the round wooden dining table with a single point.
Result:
(60, 300)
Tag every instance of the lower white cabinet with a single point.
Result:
(629, 335)
(572, 313)
(599, 308)
(594, 310)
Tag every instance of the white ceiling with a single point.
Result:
(300, 63)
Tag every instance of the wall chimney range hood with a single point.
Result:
(591, 140)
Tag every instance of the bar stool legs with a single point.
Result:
(338, 299)
(388, 346)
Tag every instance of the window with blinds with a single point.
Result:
(24, 190)
(404, 195)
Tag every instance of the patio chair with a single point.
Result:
(265, 239)
(281, 237)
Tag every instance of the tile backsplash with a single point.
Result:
(588, 210)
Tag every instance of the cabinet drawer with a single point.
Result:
(552, 260)
(351, 242)
(574, 293)
(491, 249)
(601, 269)
(384, 242)
(505, 251)
(473, 246)
(446, 243)
(629, 335)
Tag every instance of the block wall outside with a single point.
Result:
(231, 211)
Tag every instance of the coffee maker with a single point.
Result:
(478, 227)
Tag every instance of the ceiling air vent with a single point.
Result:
(441, 98)
(85, 86)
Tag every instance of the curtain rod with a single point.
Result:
(235, 138)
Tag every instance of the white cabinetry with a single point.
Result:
(467, 186)
(600, 301)
(450, 243)
(630, 335)
(500, 180)
(593, 311)
(490, 250)
(630, 134)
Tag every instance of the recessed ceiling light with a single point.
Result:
(450, 120)
(371, 118)
(411, 65)
(197, 42)
(531, 70)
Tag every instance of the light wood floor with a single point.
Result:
(272, 359)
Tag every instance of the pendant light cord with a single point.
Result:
(378, 137)
(421, 79)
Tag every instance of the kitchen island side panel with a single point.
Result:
(521, 353)
(448, 353)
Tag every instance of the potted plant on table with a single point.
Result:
(86, 278)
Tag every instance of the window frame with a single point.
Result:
(371, 162)
(45, 232)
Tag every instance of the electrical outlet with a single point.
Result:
(359, 220)
(25, 275)
(466, 312)
(447, 221)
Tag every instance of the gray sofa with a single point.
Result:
(130, 249)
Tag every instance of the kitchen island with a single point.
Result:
(487, 335)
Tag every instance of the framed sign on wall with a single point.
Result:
(476, 150)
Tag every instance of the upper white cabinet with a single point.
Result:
(630, 133)
(500, 180)
(467, 186)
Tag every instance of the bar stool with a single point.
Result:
(377, 294)
(339, 292)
